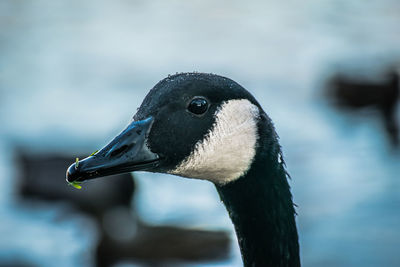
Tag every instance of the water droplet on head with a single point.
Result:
(280, 158)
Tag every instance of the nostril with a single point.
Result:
(120, 150)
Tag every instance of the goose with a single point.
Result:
(208, 127)
(354, 93)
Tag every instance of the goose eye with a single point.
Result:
(198, 106)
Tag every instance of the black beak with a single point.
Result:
(127, 152)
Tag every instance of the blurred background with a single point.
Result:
(72, 74)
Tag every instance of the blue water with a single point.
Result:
(72, 74)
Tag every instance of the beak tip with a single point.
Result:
(72, 173)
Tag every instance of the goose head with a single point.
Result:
(208, 127)
(193, 125)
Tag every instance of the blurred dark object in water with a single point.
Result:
(16, 263)
(160, 244)
(123, 236)
(356, 93)
(42, 178)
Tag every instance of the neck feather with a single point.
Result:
(261, 209)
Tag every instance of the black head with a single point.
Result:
(174, 122)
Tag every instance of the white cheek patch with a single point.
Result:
(228, 149)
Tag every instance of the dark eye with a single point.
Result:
(198, 106)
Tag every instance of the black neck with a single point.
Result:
(261, 209)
